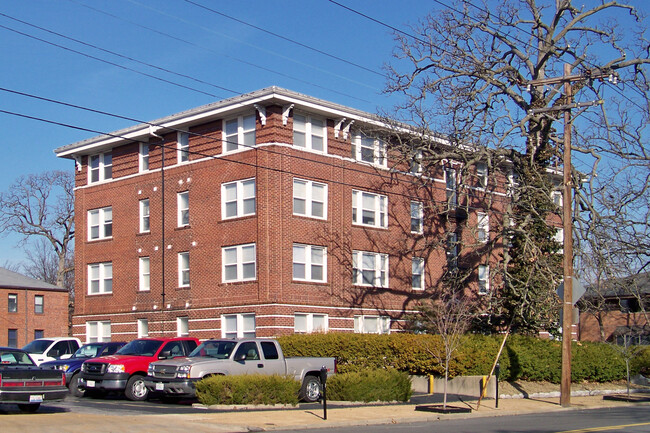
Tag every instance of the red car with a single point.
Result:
(125, 371)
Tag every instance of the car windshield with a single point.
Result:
(14, 357)
(88, 351)
(37, 346)
(215, 349)
(140, 348)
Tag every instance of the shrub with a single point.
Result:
(370, 385)
(248, 389)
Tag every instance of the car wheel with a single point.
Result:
(29, 408)
(74, 386)
(135, 389)
(310, 390)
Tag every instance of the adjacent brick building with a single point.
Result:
(274, 214)
(30, 309)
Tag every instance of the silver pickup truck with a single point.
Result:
(177, 377)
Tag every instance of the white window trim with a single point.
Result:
(415, 165)
(308, 263)
(240, 134)
(182, 326)
(483, 271)
(142, 215)
(379, 259)
(557, 198)
(482, 174)
(102, 222)
(419, 217)
(239, 263)
(483, 224)
(240, 324)
(142, 157)
(380, 153)
(103, 328)
(180, 209)
(309, 134)
(101, 168)
(143, 285)
(417, 263)
(182, 147)
(309, 198)
(451, 187)
(101, 267)
(309, 323)
(239, 198)
(380, 209)
(143, 328)
(182, 268)
(383, 323)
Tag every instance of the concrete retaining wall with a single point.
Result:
(461, 385)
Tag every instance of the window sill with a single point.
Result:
(100, 240)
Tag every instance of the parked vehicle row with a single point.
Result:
(169, 367)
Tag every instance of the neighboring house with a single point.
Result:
(617, 310)
(275, 213)
(30, 309)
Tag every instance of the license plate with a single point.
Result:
(90, 383)
(38, 398)
(160, 386)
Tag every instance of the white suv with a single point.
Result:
(49, 349)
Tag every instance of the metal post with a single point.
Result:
(567, 224)
(323, 384)
(496, 373)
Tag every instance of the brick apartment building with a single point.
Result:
(30, 309)
(272, 214)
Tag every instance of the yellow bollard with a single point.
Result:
(484, 387)
(430, 384)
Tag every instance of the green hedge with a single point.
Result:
(248, 389)
(526, 358)
(370, 385)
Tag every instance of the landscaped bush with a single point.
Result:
(370, 385)
(248, 389)
(526, 358)
(641, 363)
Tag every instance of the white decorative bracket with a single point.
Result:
(337, 127)
(285, 113)
(346, 129)
(77, 160)
(262, 111)
(153, 131)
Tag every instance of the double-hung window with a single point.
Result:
(238, 198)
(369, 269)
(483, 231)
(482, 174)
(12, 303)
(143, 328)
(183, 202)
(369, 209)
(183, 147)
(309, 199)
(182, 326)
(238, 263)
(451, 187)
(238, 325)
(309, 263)
(143, 157)
(145, 226)
(306, 323)
(100, 166)
(183, 269)
(100, 278)
(369, 149)
(144, 265)
(416, 217)
(98, 331)
(372, 324)
(100, 223)
(452, 250)
(415, 166)
(239, 133)
(309, 133)
(483, 279)
(417, 273)
(39, 302)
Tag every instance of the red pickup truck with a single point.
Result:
(125, 371)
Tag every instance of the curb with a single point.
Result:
(585, 393)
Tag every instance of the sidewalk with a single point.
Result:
(280, 419)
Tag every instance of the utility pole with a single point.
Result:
(567, 221)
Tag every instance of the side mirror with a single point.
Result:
(66, 356)
(165, 354)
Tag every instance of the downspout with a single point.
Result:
(152, 131)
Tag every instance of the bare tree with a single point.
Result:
(472, 72)
(41, 206)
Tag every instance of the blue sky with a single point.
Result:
(219, 57)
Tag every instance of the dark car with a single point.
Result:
(72, 366)
(24, 383)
